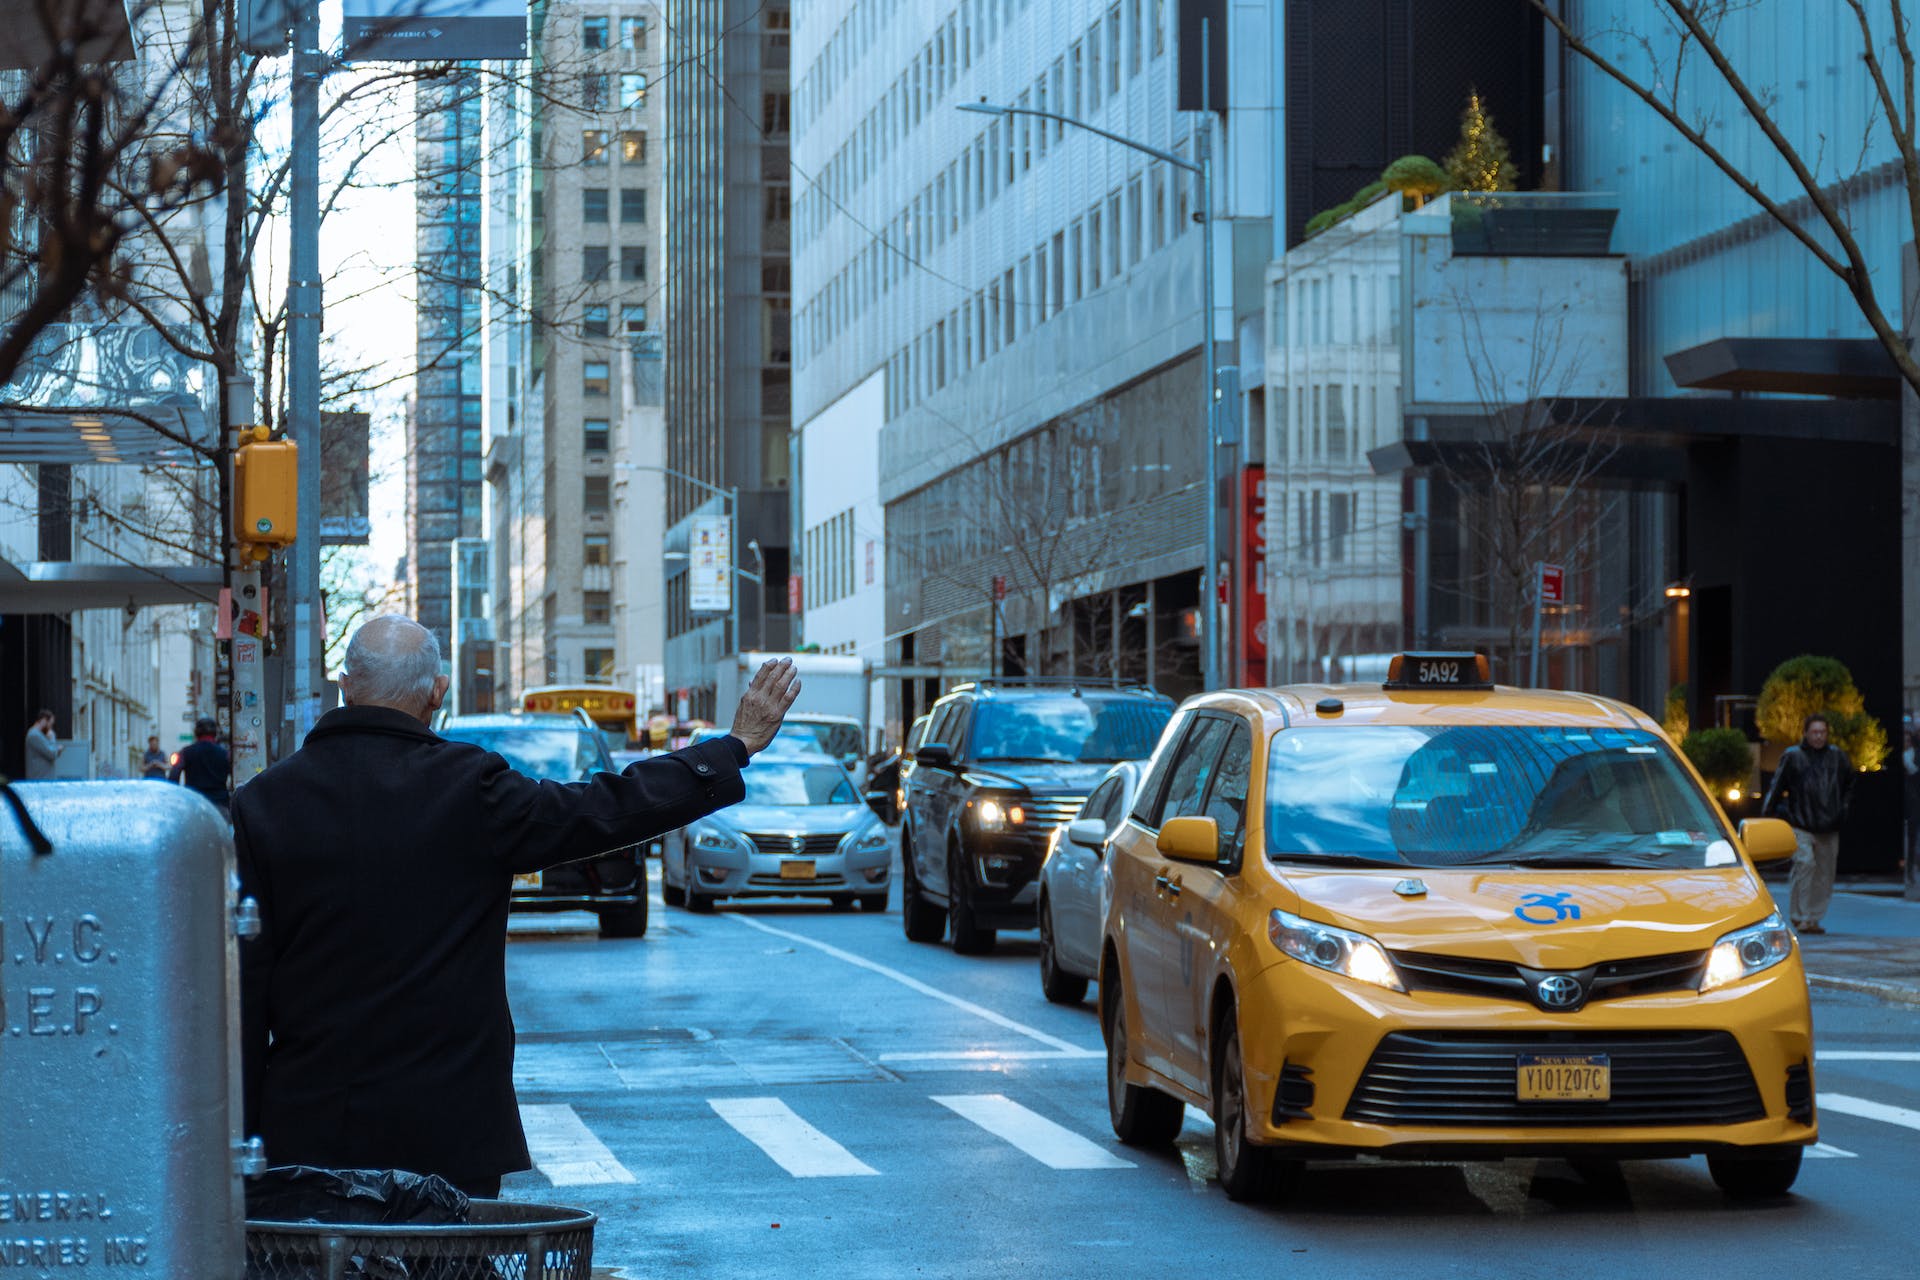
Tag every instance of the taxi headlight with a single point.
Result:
(1352, 955)
(1748, 951)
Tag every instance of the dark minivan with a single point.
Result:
(1002, 765)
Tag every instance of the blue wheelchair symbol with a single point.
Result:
(1556, 905)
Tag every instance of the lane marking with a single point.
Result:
(991, 1055)
(789, 1141)
(1826, 1151)
(565, 1150)
(1848, 1105)
(914, 984)
(1865, 1055)
(1051, 1144)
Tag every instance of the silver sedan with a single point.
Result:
(802, 830)
(1070, 886)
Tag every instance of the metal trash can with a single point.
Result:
(501, 1240)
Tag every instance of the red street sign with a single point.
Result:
(793, 593)
(999, 586)
(1553, 584)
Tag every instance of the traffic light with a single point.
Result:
(266, 490)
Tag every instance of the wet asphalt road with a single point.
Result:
(777, 1090)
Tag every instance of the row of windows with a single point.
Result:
(595, 259)
(1328, 529)
(597, 29)
(1334, 422)
(1307, 311)
(595, 146)
(596, 204)
(1081, 80)
(1113, 236)
(596, 319)
(831, 569)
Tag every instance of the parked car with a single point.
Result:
(1070, 886)
(1002, 765)
(803, 829)
(839, 736)
(561, 748)
(789, 739)
(1433, 918)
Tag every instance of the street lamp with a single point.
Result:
(732, 496)
(1202, 169)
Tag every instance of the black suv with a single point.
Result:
(1001, 766)
(560, 748)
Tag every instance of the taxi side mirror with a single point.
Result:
(1190, 839)
(1768, 839)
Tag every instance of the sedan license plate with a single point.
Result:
(796, 871)
(526, 880)
(1584, 1077)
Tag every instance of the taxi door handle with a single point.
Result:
(1171, 886)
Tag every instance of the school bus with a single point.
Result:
(616, 711)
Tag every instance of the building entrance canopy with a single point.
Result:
(65, 587)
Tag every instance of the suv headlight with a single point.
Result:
(1748, 951)
(1351, 955)
(713, 838)
(997, 814)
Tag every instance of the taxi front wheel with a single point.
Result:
(1247, 1172)
(1760, 1174)
(1141, 1117)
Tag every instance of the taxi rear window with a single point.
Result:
(1455, 795)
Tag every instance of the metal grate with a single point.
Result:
(1800, 1092)
(1469, 1078)
(810, 845)
(1614, 980)
(500, 1241)
(788, 882)
(1052, 811)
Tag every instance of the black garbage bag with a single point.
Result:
(361, 1197)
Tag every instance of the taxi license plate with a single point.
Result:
(1586, 1077)
(796, 871)
(526, 880)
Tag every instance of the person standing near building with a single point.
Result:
(205, 766)
(153, 764)
(1811, 790)
(43, 748)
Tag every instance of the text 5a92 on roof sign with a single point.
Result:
(1439, 671)
(433, 30)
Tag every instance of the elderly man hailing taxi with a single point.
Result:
(376, 1028)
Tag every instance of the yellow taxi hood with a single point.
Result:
(1539, 917)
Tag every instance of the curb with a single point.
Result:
(1892, 992)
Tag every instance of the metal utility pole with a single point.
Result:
(304, 676)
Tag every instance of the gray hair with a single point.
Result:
(391, 662)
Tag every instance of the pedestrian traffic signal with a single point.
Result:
(266, 489)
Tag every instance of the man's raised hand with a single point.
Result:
(765, 704)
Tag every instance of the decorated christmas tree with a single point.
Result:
(1479, 161)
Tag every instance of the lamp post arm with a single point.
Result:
(730, 495)
(1110, 136)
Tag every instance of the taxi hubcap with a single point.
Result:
(1232, 1102)
(1117, 1054)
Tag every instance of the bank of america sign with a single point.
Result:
(433, 30)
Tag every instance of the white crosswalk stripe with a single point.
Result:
(1867, 1109)
(789, 1141)
(565, 1150)
(1827, 1151)
(1051, 1144)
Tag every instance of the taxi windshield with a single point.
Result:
(1499, 795)
(795, 784)
(1069, 729)
(560, 754)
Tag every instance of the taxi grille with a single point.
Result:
(1614, 980)
(810, 845)
(1469, 1078)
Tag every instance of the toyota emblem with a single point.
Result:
(1558, 991)
(797, 843)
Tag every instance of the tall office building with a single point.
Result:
(585, 260)
(728, 349)
(443, 419)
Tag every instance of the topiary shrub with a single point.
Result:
(1801, 686)
(1368, 194)
(1319, 222)
(1415, 176)
(1674, 718)
(1722, 756)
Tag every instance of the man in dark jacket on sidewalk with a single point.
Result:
(376, 1030)
(204, 766)
(1811, 790)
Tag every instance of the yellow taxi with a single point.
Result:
(1437, 919)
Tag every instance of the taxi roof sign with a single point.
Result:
(1439, 671)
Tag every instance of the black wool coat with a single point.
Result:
(376, 1032)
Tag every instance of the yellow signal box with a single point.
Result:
(266, 493)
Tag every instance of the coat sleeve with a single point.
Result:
(548, 823)
(256, 969)
(1782, 783)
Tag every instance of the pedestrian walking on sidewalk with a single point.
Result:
(205, 767)
(1811, 790)
(43, 748)
(376, 1032)
(153, 764)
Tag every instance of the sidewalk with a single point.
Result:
(1872, 943)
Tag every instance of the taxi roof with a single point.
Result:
(1374, 704)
